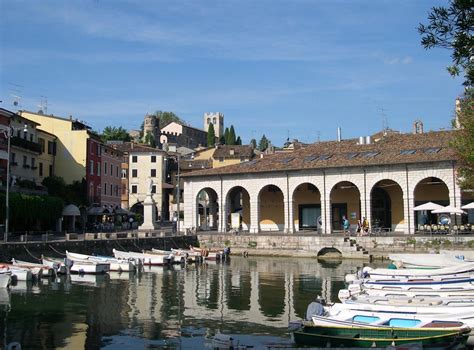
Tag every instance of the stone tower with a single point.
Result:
(151, 124)
(217, 119)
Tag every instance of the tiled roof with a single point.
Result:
(194, 164)
(233, 151)
(130, 147)
(391, 149)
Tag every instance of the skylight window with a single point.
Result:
(310, 158)
(287, 160)
(369, 154)
(408, 151)
(432, 150)
(325, 156)
(250, 163)
(352, 155)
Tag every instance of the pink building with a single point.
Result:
(111, 173)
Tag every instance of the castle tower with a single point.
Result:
(151, 124)
(217, 119)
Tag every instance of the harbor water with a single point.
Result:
(180, 307)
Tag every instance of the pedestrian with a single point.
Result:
(345, 225)
(175, 222)
(365, 226)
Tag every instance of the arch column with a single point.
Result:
(254, 214)
(289, 215)
(326, 215)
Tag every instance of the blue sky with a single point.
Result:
(298, 68)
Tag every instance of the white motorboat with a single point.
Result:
(453, 282)
(169, 253)
(115, 264)
(56, 264)
(208, 254)
(189, 255)
(445, 292)
(145, 259)
(5, 278)
(88, 267)
(18, 273)
(427, 261)
(46, 270)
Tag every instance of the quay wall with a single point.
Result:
(29, 251)
(347, 247)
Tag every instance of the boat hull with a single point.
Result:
(5, 279)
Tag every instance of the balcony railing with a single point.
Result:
(29, 145)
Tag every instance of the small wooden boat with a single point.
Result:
(175, 259)
(208, 254)
(427, 261)
(46, 270)
(145, 259)
(114, 263)
(21, 273)
(189, 255)
(56, 264)
(363, 337)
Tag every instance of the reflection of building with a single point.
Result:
(315, 186)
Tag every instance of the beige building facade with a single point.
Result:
(314, 187)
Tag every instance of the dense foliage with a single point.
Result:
(211, 135)
(75, 193)
(112, 133)
(452, 28)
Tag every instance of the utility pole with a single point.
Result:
(178, 197)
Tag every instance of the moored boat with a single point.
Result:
(5, 278)
(427, 261)
(189, 255)
(363, 337)
(46, 270)
(19, 273)
(145, 259)
(114, 263)
(56, 264)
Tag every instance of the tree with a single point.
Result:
(114, 133)
(253, 143)
(168, 117)
(463, 143)
(238, 141)
(263, 144)
(211, 135)
(231, 140)
(451, 28)
(222, 140)
(150, 140)
(226, 136)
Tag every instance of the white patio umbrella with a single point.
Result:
(468, 206)
(449, 210)
(427, 206)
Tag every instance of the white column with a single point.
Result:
(289, 224)
(327, 214)
(254, 214)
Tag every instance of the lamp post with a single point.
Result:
(8, 134)
(178, 197)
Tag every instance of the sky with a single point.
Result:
(295, 68)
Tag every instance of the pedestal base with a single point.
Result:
(149, 217)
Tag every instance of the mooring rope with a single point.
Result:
(49, 245)
(140, 249)
(34, 257)
(120, 246)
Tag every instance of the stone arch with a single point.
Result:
(306, 199)
(329, 252)
(387, 206)
(271, 203)
(429, 189)
(237, 200)
(345, 199)
(207, 213)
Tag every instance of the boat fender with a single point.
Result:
(344, 294)
(314, 309)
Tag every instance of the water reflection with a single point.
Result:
(179, 307)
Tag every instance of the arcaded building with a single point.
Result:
(382, 178)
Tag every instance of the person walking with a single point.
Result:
(365, 226)
(345, 225)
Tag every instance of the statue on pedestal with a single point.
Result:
(150, 185)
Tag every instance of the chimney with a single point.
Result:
(339, 134)
(361, 140)
(368, 140)
(418, 127)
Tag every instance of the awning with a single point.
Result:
(427, 206)
(167, 185)
(449, 210)
(121, 211)
(95, 211)
(71, 210)
(468, 206)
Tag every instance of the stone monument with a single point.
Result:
(149, 213)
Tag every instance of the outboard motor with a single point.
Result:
(316, 308)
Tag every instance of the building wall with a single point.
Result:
(70, 163)
(111, 177)
(217, 163)
(144, 166)
(124, 183)
(364, 178)
(46, 160)
(94, 171)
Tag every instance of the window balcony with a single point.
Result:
(25, 144)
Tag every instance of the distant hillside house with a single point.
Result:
(313, 187)
(183, 135)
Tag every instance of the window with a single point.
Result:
(33, 163)
(369, 154)
(124, 173)
(40, 169)
(51, 173)
(153, 173)
(105, 189)
(111, 170)
(25, 160)
(42, 146)
(31, 137)
(134, 188)
(134, 159)
(153, 189)
(105, 168)
(98, 169)
(134, 172)
(352, 155)
(408, 151)
(13, 159)
(91, 167)
(25, 135)
(432, 150)
(51, 148)
(117, 171)
(153, 159)
(111, 191)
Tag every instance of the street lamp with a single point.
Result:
(7, 131)
(178, 198)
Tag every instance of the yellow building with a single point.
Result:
(47, 157)
(71, 148)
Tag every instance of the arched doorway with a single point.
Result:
(208, 210)
(137, 209)
(271, 209)
(238, 209)
(430, 189)
(345, 201)
(386, 200)
(307, 208)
